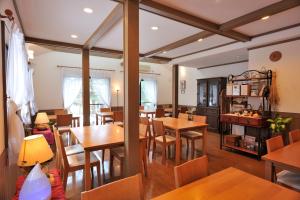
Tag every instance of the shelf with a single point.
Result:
(250, 79)
(241, 149)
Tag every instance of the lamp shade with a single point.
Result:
(41, 118)
(35, 149)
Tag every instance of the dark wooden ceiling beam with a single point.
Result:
(74, 48)
(110, 21)
(258, 14)
(179, 43)
(177, 15)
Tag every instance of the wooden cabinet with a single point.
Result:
(208, 91)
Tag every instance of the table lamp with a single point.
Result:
(41, 121)
(35, 149)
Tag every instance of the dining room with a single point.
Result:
(150, 99)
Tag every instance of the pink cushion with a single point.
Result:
(47, 134)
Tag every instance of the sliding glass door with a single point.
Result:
(148, 89)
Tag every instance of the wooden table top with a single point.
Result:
(180, 124)
(98, 137)
(288, 155)
(231, 184)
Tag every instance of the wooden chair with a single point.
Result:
(160, 112)
(191, 171)
(119, 153)
(63, 124)
(183, 116)
(193, 135)
(130, 188)
(285, 177)
(75, 162)
(107, 119)
(60, 111)
(160, 137)
(145, 121)
(183, 109)
(294, 136)
(118, 118)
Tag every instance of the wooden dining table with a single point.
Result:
(103, 116)
(93, 138)
(230, 184)
(287, 158)
(179, 125)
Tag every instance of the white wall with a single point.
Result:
(287, 72)
(48, 77)
(192, 74)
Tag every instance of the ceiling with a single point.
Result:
(58, 19)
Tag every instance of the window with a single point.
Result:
(148, 93)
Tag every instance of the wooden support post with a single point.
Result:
(175, 90)
(131, 86)
(4, 96)
(86, 86)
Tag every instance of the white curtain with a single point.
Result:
(101, 88)
(149, 92)
(33, 108)
(71, 89)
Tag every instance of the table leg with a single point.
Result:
(87, 170)
(96, 119)
(269, 171)
(204, 141)
(178, 147)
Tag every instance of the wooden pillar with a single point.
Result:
(175, 90)
(131, 86)
(4, 95)
(86, 86)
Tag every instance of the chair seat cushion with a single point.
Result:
(169, 139)
(79, 159)
(74, 149)
(289, 178)
(191, 134)
(118, 152)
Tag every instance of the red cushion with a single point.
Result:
(57, 190)
(47, 134)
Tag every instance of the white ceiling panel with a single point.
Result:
(58, 19)
(217, 59)
(218, 11)
(286, 18)
(206, 43)
(168, 31)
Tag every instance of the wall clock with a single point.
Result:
(275, 56)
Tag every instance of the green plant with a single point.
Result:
(278, 124)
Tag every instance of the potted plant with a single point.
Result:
(278, 124)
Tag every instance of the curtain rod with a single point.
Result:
(109, 70)
(146, 73)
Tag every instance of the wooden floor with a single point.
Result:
(161, 178)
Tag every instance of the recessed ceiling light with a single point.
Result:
(88, 10)
(265, 17)
(154, 28)
(200, 40)
(74, 36)
(164, 52)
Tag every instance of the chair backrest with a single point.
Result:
(191, 171)
(294, 136)
(274, 143)
(129, 188)
(64, 120)
(145, 121)
(61, 149)
(141, 107)
(57, 154)
(143, 130)
(183, 109)
(158, 129)
(160, 112)
(183, 116)
(60, 111)
(199, 118)
(105, 110)
(118, 116)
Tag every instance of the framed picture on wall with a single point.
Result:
(182, 86)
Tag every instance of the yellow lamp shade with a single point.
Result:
(35, 149)
(41, 118)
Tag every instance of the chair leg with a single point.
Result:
(103, 156)
(92, 172)
(169, 151)
(99, 174)
(65, 179)
(111, 165)
(193, 149)
(164, 155)
(187, 148)
(149, 144)
(121, 168)
(153, 149)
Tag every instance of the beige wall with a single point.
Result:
(1, 106)
(287, 72)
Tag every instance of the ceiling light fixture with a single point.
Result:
(88, 10)
(265, 17)
(200, 40)
(74, 36)
(164, 52)
(154, 28)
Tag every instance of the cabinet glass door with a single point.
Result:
(202, 93)
(213, 92)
